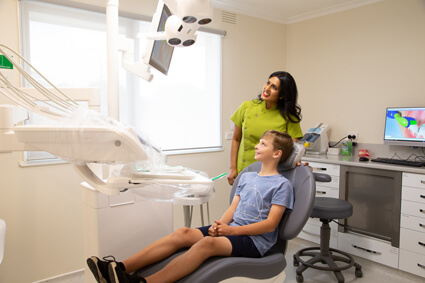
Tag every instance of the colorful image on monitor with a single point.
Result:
(405, 124)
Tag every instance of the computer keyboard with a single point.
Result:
(414, 163)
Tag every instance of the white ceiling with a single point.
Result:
(288, 11)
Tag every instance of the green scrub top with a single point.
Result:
(254, 119)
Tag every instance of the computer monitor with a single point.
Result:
(158, 53)
(405, 126)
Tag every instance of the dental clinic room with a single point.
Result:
(125, 125)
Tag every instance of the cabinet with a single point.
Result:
(412, 225)
(311, 230)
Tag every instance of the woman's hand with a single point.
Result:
(232, 176)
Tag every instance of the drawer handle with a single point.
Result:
(421, 225)
(319, 168)
(422, 182)
(321, 192)
(422, 244)
(420, 265)
(422, 196)
(123, 203)
(421, 210)
(366, 250)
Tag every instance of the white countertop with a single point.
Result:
(354, 161)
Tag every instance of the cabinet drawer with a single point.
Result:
(312, 233)
(322, 191)
(330, 169)
(414, 180)
(412, 223)
(412, 241)
(413, 208)
(412, 262)
(334, 183)
(413, 194)
(369, 248)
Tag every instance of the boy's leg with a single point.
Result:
(192, 259)
(162, 248)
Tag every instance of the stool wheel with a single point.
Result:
(358, 273)
(300, 278)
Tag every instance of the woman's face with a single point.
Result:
(271, 91)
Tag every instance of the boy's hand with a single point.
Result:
(222, 229)
(212, 231)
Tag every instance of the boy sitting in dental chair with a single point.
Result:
(248, 228)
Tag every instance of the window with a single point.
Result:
(178, 112)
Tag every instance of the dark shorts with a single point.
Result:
(241, 245)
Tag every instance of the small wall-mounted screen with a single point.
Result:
(161, 52)
(405, 126)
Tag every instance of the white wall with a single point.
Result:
(351, 65)
(42, 205)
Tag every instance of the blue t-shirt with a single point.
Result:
(257, 194)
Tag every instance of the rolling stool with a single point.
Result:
(327, 209)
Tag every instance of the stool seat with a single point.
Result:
(331, 208)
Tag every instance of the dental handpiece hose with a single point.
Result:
(219, 176)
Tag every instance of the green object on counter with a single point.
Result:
(347, 148)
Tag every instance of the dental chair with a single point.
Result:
(270, 267)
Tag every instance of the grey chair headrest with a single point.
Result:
(291, 162)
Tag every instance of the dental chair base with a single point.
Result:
(121, 225)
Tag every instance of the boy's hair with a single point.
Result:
(280, 141)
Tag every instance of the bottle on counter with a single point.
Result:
(347, 147)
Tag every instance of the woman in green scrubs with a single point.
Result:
(275, 108)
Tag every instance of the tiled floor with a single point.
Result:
(372, 271)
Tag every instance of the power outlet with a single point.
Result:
(352, 133)
(228, 135)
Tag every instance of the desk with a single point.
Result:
(353, 161)
(410, 255)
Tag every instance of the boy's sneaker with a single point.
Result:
(118, 275)
(99, 268)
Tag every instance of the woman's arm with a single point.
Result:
(258, 228)
(236, 141)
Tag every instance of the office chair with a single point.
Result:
(270, 266)
(323, 257)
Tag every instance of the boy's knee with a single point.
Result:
(182, 231)
(207, 243)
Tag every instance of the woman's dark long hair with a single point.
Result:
(288, 96)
